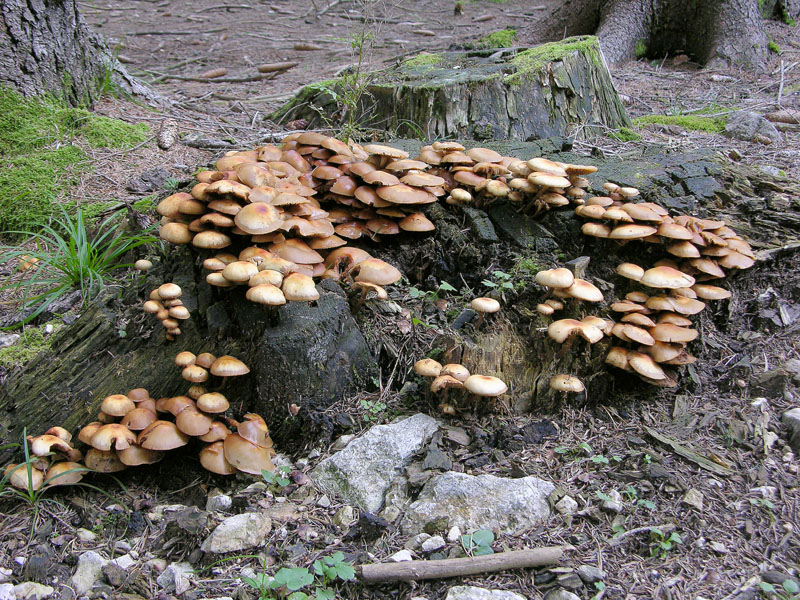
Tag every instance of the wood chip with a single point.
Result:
(307, 46)
(213, 73)
(279, 66)
(427, 32)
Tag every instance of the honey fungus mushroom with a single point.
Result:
(484, 306)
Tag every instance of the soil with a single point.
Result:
(749, 521)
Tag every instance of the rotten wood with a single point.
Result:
(417, 570)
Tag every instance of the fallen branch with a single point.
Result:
(260, 77)
(416, 570)
(619, 539)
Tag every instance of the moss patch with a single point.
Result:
(774, 47)
(690, 122)
(32, 341)
(423, 59)
(39, 159)
(623, 134)
(504, 38)
(535, 58)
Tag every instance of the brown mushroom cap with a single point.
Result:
(258, 218)
(666, 277)
(455, 370)
(136, 455)
(184, 359)
(299, 288)
(374, 270)
(246, 456)
(560, 330)
(239, 271)
(266, 293)
(162, 435)
(169, 291)
(566, 383)
(710, 292)
(205, 360)
(212, 457)
(631, 232)
(668, 332)
(117, 405)
(228, 366)
(218, 432)
(175, 233)
(138, 419)
(617, 357)
(416, 222)
(103, 461)
(485, 385)
(17, 476)
(555, 278)
(630, 271)
(427, 367)
(485, 305)
(583, 290)
(442, 382)
(194, 373)
(113, 435)
(65, 473)
(192, 422)
(646, 366)
(213, 402)
(43, 445)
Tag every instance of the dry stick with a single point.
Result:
(416, 570)
(217, 30)
(619, 539)
(261, 77)
(780, 88)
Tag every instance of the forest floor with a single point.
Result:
(749, 522)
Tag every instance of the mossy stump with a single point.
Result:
(556, 89)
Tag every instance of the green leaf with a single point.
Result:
(766, 587)
(483, 537)
(488, 283)
(585, 447)
(649, 504)
(325, 594)
(602, 496)
(293, 579)
(790, 586)
(446, 287)
(482, 551)
(298, 596)
(599, 459)
(345, 572)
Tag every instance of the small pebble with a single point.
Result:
(433, 543)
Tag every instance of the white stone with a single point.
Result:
(433, 543)
(126, 561)
(32, 591)
(416, 541)
(8, 339)
(247, 530)
(85, 535)
(362, 472)
(90, 569)
(561, 594)
(342, 442)
(614, 503)
(693, 498)
(566, 506)
(217, 501)
(470, 592)
(454, 534)
(402, 556)
(175, 578)
(5, 574)
(7, 592)
(479, 502)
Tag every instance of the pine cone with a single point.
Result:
(167, 134)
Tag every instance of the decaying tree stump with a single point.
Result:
(562, 88)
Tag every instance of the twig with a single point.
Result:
(780, 87)
(223, 7)
(217, 30)
(260, 77)
(416, 570)
(333, 4)
(619, 539)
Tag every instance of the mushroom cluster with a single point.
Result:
(165, 303)
(561, 283)
(458, 377)
(132, 429)
(54, 461)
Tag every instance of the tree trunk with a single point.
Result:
(556, 89)
(46, 46)
(711, 32)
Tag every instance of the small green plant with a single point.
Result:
(661, 543)
(632, 496)
(277, 480)
(641, 49)
(70, 257)
(773, 47)
(765, 505)
(501, 282)
(417, 293)
(623, 134)
(374, 409)
(788, 590)
(478, 543)
(328, 570)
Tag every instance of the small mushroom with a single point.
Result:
(484, 306)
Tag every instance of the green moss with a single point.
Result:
(641, 49)
(690, 122)
(773, 47)
(39, 157)
(503, 38)
(623, 134)
(423, 59)
(535, 58)
(33, 340)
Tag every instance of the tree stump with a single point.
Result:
(556, 89)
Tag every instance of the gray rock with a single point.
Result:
(85, 535)
(578, 266)
(366, 468)
(217, 501)
(344, 516)
(416, 541)
(470, 592)
(126, 561)
(148, 181)
(7, 592)
(614, 503)
(175, 578)
(566, 506)
(590, 574)
(560, 594)
(8, 339)
(433, 543)
(247, 530)
(90, 569)
(32, 591)
(5, 574)
(401, 556)
(693, 498)
(479, 502)
(749, 125)
(453, 535)
(791, 418)
(114, 574)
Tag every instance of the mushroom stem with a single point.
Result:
(479, 322)
(565, 347)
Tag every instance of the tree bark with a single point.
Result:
(712, 32)
(46, 46)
